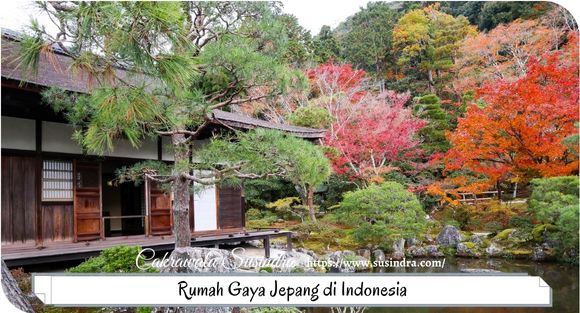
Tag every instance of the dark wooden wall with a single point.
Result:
(57, 221)
(19, 198)
(230, 208)
(19, 201)
(20, 222)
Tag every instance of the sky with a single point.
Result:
(312, 15)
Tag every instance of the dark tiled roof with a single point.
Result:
(54, 71)
(236, 120)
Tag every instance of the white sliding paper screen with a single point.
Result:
(57, 180)
(204, 208)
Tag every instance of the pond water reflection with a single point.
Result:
(562, 278)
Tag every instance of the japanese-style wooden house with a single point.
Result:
(54, 194)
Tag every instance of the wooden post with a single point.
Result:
(38, 183)
(146, 226)
(102, 226)
(147, 207)
(102, 230)
(75, 237)
(267, 247)
(159, 148)
(289, 242)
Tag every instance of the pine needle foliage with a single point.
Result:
(159, 69)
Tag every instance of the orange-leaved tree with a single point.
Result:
(504, 51)
(516, 129)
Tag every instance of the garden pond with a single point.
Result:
(562, 278)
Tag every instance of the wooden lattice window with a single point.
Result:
(57, 180)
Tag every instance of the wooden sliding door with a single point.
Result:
(158, 209)
(230, 207)
(87, 200)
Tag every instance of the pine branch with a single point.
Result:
(192, 134)
(160, 180)
(238, 101)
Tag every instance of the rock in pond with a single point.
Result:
(412, 242)
(433, 251)
(365, 253)
(466, 249)
(478, 270)
(538, 254)
(293, 259)
(493, 250)
(399, 249)
(345, 262)
(379, 255)
(476, 239)
(449, 236)
(417, 252)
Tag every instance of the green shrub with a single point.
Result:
(332, 192)
(288, 207)
(555, 201)
(304, 231)
(330, 218)
(493, 227)
(329, 236)
(469, 245)
(346, 243)
(490, 215)
(259, 192)
(452, 222)
(311, 116)
(522, 222)
(433, 228)
(267, 269)
(112, 260)
(270, 217)
(458, 216)
(539, 230)
(504, 234)
(257, 224)
(298, 269)
(382, 213)
(376, 235)
(350, 258)
(552, 196)
(253, 214)
(568, 226)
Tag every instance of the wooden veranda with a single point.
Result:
(29, 253)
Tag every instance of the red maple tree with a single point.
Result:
(371, 130)
(518, 132)
(381, 131)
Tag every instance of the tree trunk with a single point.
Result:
(13, 292)
(181, 228)
(431, 83)
(310, 203)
